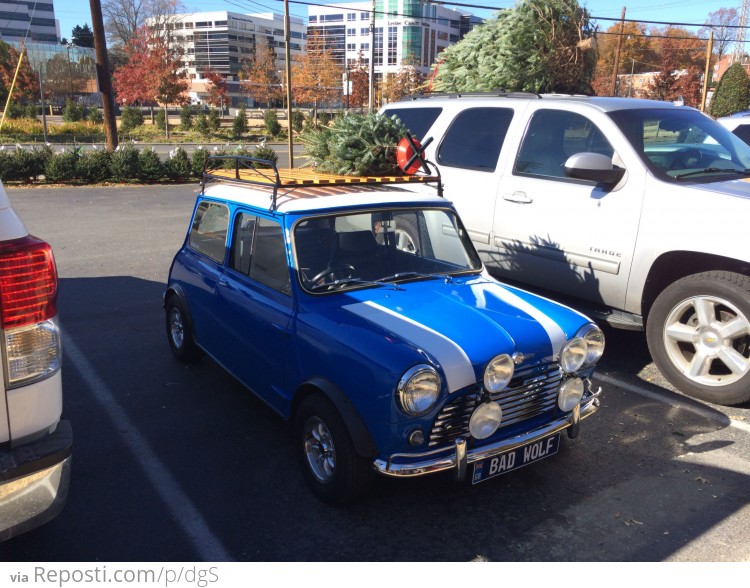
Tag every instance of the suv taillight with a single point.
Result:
(28, 296)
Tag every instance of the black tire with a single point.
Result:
(179, 331)
(698, 332)
(332, 468)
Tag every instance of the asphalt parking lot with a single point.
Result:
(180, 463)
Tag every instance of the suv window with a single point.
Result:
(475, 138)
(208, 235)
(417, 120)
(258, 251)
(552, 137)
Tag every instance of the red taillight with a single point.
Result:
(28, 282)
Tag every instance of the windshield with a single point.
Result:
(381, 248)
(679, 144)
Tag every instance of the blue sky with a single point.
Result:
(71, 13)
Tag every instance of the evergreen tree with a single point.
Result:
(214, 121)
(186, 117)
(732, 93)
(239, 124)
(83, 36)
(536, 46)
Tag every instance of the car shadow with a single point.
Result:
(638, 484)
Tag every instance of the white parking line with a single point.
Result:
(175, 500)
(675, 402)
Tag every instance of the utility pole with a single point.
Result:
(706, 74)
(617, 54)
(371, 94)
(102, 74)
(287, 39)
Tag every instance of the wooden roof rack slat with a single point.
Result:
(245, 172)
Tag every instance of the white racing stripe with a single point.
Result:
(456, 365)
(556, 335)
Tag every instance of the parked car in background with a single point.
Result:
(633, 210)
(361, 313)
(738, 123)
(35, 444)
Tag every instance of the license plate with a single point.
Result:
(515, 458)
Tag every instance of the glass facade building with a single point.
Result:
(28, 20)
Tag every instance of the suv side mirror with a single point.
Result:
(594, 167)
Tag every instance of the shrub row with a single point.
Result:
(126, 164)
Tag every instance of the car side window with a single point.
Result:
(208, 235)
(259, 251)
(417, 120)
(552, 137)
(475, 138)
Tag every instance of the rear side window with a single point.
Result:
(417, 120)
(475, 138)
(208, 235)
(259, 251)
(743, 132)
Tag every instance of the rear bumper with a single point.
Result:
(459, 457)
(34, 481)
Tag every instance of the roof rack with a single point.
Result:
(490, 94)
(263, 172)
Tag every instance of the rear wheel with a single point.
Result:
(698, 333)
(333, 469)
(179, 332)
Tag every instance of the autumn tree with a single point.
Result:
(535, 46)
(27, 83)
(359, 79)
(153, 73)
(406, 81)
(316, 76)
(690, 86)
(723, 23)
(635, 54)
(259, 78)
(216, 89)
(663, 85)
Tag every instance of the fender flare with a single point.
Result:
(360, 434)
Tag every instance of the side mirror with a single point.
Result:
(594, 167)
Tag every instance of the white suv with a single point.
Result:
(634, 210)
(35, 445)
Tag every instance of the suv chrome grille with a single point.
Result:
(531, 392)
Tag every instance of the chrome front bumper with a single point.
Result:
(458, 458)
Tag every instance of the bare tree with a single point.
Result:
(722, 22)
(122, 18)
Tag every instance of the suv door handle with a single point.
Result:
(520, 197)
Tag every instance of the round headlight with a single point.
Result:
(595, 343)
(573, 354)
(571, 393)
(485, 420)
(498, 373)
(418, 390)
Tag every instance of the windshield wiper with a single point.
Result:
(711, 170)
(338, 284)
(407, 275)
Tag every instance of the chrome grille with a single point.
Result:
(531, 392)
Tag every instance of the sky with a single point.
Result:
(76, 12)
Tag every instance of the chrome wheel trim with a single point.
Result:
(319, 450)
(176, 327)
(708, 340)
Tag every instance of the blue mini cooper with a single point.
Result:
(360, 311)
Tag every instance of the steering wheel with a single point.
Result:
(334, 272)
(682, 159)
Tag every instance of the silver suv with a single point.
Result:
(35, 444)
(634, 210)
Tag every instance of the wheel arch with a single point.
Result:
(675, 265)
(355, 424)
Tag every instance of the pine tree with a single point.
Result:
(355, 145)
(732, 93)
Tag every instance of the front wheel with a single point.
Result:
(698, 334)
(333, 469)
(179, 332)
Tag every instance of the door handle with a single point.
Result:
(520, 197)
